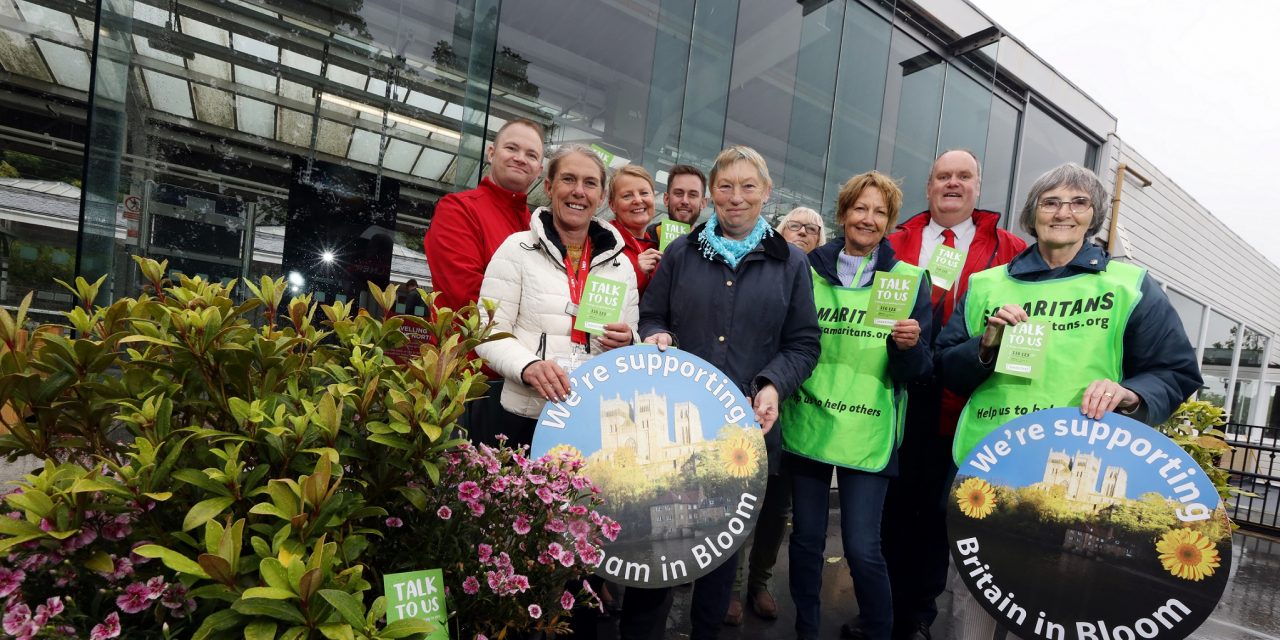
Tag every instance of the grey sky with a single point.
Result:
(1194, 85)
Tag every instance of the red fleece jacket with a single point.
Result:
(466, 230)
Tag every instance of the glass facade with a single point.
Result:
(240, 138)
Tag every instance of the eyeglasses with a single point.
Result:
(1076, 205)
(810, 228)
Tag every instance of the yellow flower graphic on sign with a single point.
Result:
(976, 497)
(1188, 554)
(736, 454)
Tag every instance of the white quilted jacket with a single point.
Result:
(527, 278)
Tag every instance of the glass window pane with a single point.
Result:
(809, 135)
(855, 128)
(763, 82)
(915, 81)
(1219, 348)
(223, 136)
(596, 92)
(1046, 143)
(1249, 376)
(997, 162)
(1191, 313)
(707, 87)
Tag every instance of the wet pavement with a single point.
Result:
(1249, 609)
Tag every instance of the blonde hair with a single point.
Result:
(854, 187)
(741, 152)
(805, 212)
(633, 170)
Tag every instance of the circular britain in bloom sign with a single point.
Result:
(674, 447)
(1068, 528)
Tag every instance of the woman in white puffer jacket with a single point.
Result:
(533, 277)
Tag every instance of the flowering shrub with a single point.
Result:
(211, 476)
(518, 540)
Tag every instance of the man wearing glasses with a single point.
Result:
(953, 231)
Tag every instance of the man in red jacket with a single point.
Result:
(467, 229)
(914, 522)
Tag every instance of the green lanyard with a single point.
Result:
(857, 276)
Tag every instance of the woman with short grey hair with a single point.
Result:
(1068, 176)
(803, 227)
(1116, 343)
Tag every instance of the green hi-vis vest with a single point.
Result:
(847, 412)
(1088, 313)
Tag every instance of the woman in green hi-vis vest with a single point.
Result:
(846, 418)
(1113, 342)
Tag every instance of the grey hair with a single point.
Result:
(807, 213)
(553, 162)
(1070, 176)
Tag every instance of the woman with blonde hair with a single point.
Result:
(847, 417)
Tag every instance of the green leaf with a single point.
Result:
(335, 631)
(260, 630)
(100, 562)
(171, 559)
(351, 609)
(33, 500)
(270, 593)
(16, 540)
(274, 574)
(11, 527)
(406, 627)
(218, 621)
(277, 609)
(200, 479)
(205, 510)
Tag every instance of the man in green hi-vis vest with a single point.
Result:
(1113, 343)
(847, 416)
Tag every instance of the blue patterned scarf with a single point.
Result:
(733, 251)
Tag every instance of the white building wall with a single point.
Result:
(1184, 246)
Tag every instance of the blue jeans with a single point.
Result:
(861, 502)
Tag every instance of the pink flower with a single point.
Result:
(611, 529)
(477, 508)
(578, 510)
(155, 587)
(521, 525)
(470, 586)
(468, 491)
(17, 620)
(481, 636)
(394, 522)
(503, 561)
(134, 599)
(50, 609)
(556, 525)
(444, 513)
(117, 529)
(579, 528)
(176, 601)
(578, 482)
(110, 628)
(494, 580)
(10, 581)
(586, 586)
(566, 558)
(555, 549)
(545, 495)
(566, 601)
(537, 479)
(485, 552)
(535, 611)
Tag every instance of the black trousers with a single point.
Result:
(644, 611)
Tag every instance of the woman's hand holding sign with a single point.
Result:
(1106, 395)
(661, 340)
(548, 379)
(1006, 316)
(766, 406)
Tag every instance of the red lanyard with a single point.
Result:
(578, 282)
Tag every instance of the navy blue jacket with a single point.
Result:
(1159, 363)
(756, 323)
(905, 365)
